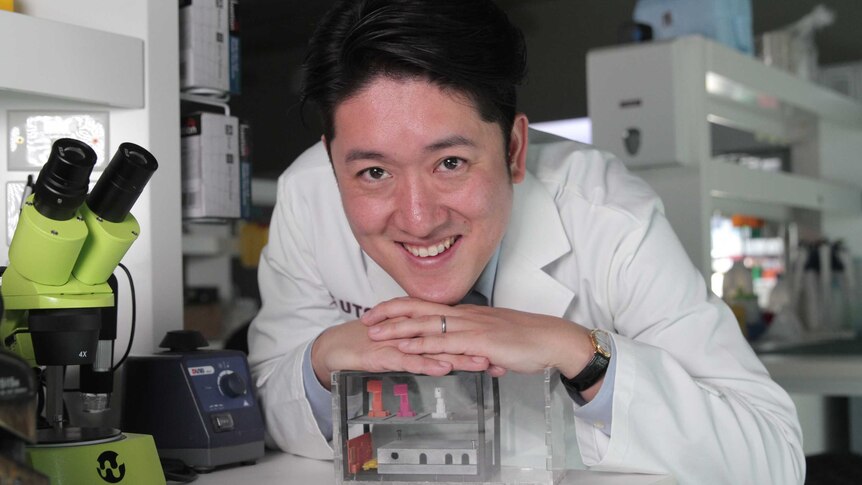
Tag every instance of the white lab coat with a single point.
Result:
(587, 242)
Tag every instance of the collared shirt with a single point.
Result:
(485, 284)
(598, 412)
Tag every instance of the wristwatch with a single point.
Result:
(595, 369)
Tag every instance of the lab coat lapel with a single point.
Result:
(534, 239)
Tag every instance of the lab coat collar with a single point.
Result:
(534, 239)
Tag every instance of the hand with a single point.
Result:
(347, 347)
(509, 339)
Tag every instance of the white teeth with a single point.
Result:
(434, 250)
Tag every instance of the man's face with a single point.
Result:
(424, 183)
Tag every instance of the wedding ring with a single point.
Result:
(442, 324)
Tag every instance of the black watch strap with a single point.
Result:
(594, 371)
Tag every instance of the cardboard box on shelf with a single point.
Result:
(204, 45)
(210, 166)
(234, 47)
(245, 157)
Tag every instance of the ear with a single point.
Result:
(518, 148)
(326, 146)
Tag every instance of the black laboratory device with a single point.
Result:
(197, 404)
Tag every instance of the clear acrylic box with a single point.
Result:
(456, 440)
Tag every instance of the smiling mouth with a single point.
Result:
(432, 250)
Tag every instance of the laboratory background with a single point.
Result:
(745, 117)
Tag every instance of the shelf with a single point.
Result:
(422, 418)
(649, 102)
(760, 121)
(216, 103)
(747, 80)
(667, 108)
(65, 61)
(205, 245)
(730, 181)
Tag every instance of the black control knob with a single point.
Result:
(232, 384)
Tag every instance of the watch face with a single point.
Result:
(603, 342)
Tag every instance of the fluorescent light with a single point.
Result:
(577, 129)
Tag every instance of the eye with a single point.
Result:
(452, 163)
(374, 173)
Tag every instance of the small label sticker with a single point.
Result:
(201, 371)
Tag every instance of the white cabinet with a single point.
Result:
(670, 108)
(64, 61)
(691, 100)
(121, 58)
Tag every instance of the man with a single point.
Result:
(425, 192)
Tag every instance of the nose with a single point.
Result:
(419, 207)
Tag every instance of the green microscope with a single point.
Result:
(60, 300)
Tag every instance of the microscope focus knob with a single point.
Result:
(232, 384)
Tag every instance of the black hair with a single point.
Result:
(468, 46)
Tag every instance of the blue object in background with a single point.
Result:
(726, 21)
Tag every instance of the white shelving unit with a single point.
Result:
(57, 60)
(122, 58)
(677, 94)
(690, 99)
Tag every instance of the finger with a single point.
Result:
(388, 358)
(418, 364)
(402, 307)
(463, 362)
(450, 343)
(496, 371)
(373, 328)
(400, 328)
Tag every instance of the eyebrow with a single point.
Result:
(448, 142)
(354, 155)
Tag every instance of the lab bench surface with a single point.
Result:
(831, 368)
(286, 469)
(815, 375)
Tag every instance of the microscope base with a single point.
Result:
(73, 435)
(132, 458)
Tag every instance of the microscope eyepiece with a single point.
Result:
(62, 184)
(122, 182)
